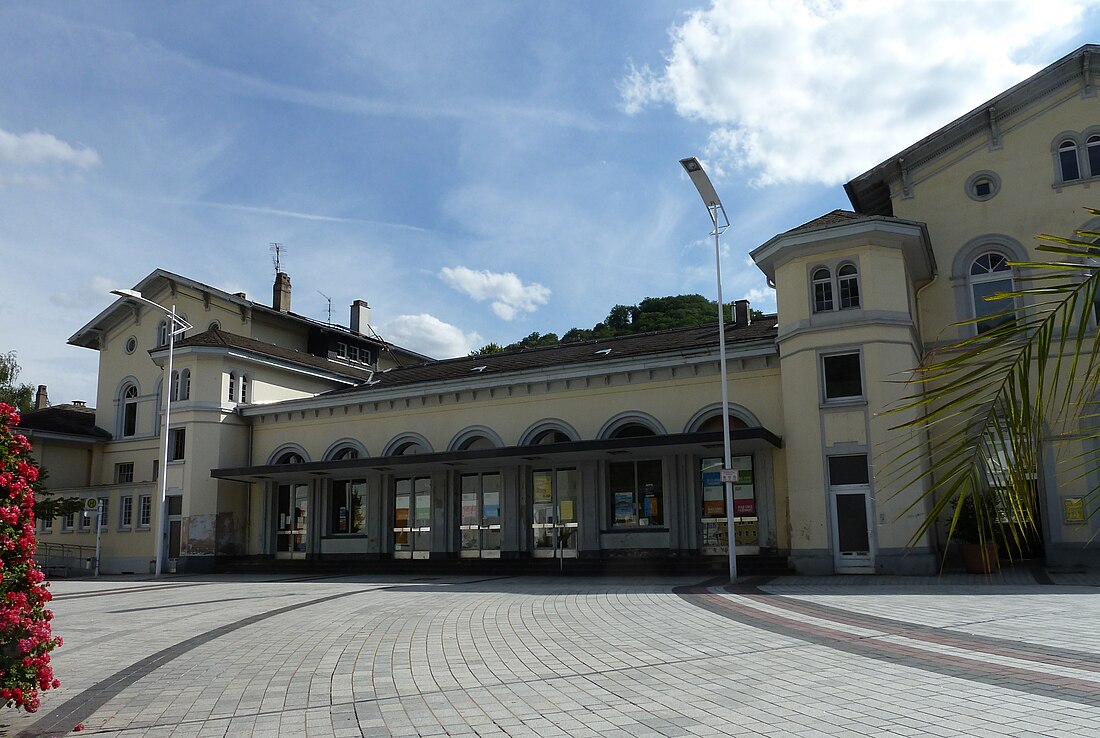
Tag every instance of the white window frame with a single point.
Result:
(145, 511)
(126, 512)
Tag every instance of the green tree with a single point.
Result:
(991, 403)
(19, 396)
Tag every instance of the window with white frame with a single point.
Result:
(232, 395)
(1092, 155)
(823, 290)
(129, 409)
(103, 514)
(45, 525)
(124, 473)
(842, 376)
(68, 521)
(162, 333)
(126, 512)
(244, 388)
(177, 439)
(990, 274)
(181, 385)
(848, 281)
(835, 290)
(1069, 166)
(145, 511)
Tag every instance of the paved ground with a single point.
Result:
(378, 656)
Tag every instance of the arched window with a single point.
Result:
(990, 274)
(823, 290)
(346, 453)
(129, 409)
(181, 385)
(232, 386)
(244, 388)
(550, 436)
(1092, 147)
(632, 430)
(162, 333)
(290, 457)
(1068, 161)
(848, 282)
(408, 449)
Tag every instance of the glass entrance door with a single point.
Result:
(479, 521)
(746, 521)
(292, 521)
(412, 518)
(850, 510)
(554, 513)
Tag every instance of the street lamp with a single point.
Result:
(702, 183)
(176, 326)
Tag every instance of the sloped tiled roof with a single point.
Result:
(829, 219)
(70, 420)
(218, 337)
(585, 352)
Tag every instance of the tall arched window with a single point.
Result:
(346, 453)
(1068, 161)
(162, 333)
(129, 410)
(1092, 147)
(848, 281)
(232, 387)
(181, 385)
(290, 457)
(990, 274)
(244, 388)
(823, 290)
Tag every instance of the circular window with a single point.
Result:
(215, 325)
(982, 186)
(131, 345)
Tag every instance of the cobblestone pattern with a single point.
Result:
(376, 656)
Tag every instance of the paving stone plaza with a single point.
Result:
(1016, 655)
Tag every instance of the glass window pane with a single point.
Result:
(1067, 157)
(851, 518)
(848, 470)
(842, 376)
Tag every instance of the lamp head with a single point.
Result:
(127, 293)
(701, 181)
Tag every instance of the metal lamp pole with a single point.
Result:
(714, 207)
(176, 326)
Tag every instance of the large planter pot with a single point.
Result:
(980, 558)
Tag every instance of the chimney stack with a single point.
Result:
(360, 316)
(41, 400)
(742, 316)
(280, 293)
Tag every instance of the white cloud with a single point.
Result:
(509, 295)
(38, 158)
(816, 91)
(429, 335)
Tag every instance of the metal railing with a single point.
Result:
(65, 560)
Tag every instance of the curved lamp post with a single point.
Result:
(176, 325)
(702, 183)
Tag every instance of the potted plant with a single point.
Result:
(973, 528)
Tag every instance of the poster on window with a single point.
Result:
(624, 507)
(544, 492)
(744, 491)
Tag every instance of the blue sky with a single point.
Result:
(476, 171)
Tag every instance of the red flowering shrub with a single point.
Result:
(25, 638)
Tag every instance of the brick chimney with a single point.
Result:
(280, 293)
(41, 400)
(742, 316)
(360, 316)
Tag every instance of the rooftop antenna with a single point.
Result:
(277, 250)
(322, 294)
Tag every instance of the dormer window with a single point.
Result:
(823, 291)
